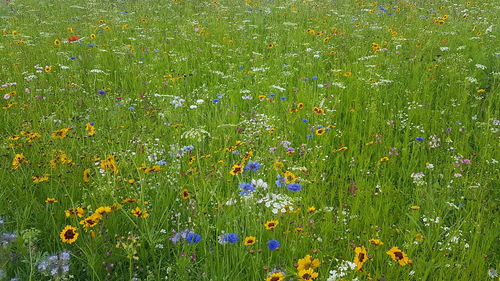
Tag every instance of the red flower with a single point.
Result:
(73, 38)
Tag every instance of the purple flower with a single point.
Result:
(101, 92)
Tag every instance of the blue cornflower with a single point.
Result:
(192, 238)
(188, 148)
(306, 79)
(131, 108)
(314, 77)
(273, 245)
(253, 166)
(305, 120)
(294, 186)
(215, 100)
(90, 45)
(309, 136)
(419, 139)
(92, 123)
(220, 96)
(280, 181)
(246, 188)
(232, 238)
(72, 58)
(101, 92)
(283, 98)
(161, 162)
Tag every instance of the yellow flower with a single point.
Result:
(185, 194)
(93, 36)
(109, 164)
(383, 159)
(237, 169)
(74, 212)
(140, 213)
(277, 165)
(415, 207)
(360, 257)
(90, 129)
(57, 42)
(18, 159)
(320, 131)
(86, 175)
(311, 209)
(340, 149)
(376, 242)
(308, 274)
(275, 276)
(47, 68)
(290, 177)
(68, 234)
(130, 200)
(91, 221)
(51, 200)
(61, 134)
(308, 262)
(249, 241)
(318, 110)
(270, 225)
(39, 179)
(103, 210)
(419, 237)
(399, 256)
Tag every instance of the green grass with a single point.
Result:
(425, 80)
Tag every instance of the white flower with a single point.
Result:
(492, 273)
(260, 183)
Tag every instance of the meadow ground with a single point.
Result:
(249, 140)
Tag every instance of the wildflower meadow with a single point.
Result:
(273, 140)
